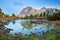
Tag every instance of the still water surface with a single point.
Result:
(28, 27)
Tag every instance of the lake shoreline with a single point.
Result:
(33, 35)
(57, 23)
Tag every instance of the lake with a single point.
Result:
(28, 27)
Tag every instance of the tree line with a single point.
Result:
(55, 16)
(47, 16)
(5, 15)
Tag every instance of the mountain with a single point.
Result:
(29, 10)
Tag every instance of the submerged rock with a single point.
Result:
(3, 29)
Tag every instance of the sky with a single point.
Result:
(16, 6)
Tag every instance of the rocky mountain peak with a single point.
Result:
(29, 10)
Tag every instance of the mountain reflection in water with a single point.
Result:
(28, 27)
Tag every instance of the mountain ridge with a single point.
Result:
(29, 10)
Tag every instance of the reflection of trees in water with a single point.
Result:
(22, 28)
(13, 22)
(48, 27)
(28, 25)
(31, 23)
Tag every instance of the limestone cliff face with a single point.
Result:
(29, 10)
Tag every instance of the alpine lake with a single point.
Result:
(27, 27)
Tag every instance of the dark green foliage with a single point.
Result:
(50, 17)
(13, 14)
(0, 10)
(47, 13)
(6, 15)
(40, 15)
(2, 14)
(55, 16)
(44, 14)
(35, 15)
(29, 17)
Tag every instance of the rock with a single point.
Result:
(3, 29)
(29, 10)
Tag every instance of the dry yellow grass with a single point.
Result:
(57, 22)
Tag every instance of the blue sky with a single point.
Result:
(15, 6)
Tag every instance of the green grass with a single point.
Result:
(54, 36)
(51, 37)
(57, 28)
(35, 39)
